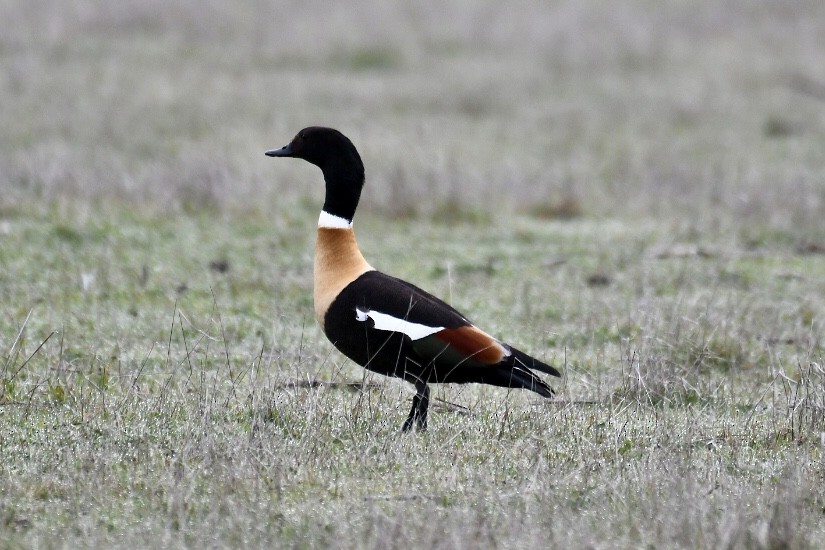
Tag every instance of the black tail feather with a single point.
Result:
(519, 377)
(519, 358)
(516, 372)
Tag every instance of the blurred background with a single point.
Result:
(711, 112)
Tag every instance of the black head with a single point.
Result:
(336, 156)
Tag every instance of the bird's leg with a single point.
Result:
(418, 412)
(423, 405)
(408, 423)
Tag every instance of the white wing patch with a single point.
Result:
(382, 321)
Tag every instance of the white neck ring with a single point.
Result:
(331, 221)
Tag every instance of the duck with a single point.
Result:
(383, 323)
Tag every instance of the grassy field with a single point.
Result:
(634, 193)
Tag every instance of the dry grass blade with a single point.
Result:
(315, 383)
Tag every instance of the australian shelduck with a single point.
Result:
(384, 324)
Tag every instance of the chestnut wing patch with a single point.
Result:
(473, 343)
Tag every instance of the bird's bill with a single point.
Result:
(285, 151)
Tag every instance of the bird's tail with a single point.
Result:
(519, 358)
(519, 367)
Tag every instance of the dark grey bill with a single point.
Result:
(285, 151)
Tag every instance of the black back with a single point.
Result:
(379, 350)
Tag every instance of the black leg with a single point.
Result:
(408, 423)
(423, 406)
(418, 412)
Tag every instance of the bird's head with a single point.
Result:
(338, 159)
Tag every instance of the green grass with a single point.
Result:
(634, 195)
(156, 403)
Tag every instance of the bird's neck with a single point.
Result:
(344, 181)
(338, 261)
